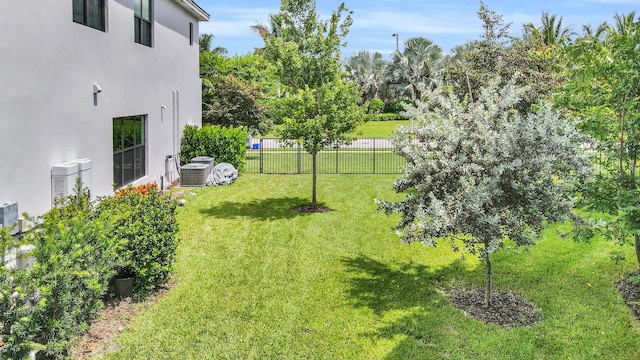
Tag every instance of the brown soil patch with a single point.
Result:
(309, 209)
(507, 309)
(111, 320)
(629, 288)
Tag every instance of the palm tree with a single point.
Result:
(206, 41)
(275, 28)
(592, 35)
(368, 71)
(624, 23)
(550, 32)
(415, 69)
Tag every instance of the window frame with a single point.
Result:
(86, 6)
(142, 25)
(132, 147)
(191, 33)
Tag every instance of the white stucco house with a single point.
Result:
(97, 88)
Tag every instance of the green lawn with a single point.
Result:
(260, 281)
(378, 129)
(371, 129)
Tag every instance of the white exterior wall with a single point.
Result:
(48, 65)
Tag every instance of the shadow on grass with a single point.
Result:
(259, 209)
(396, 286)
(420, 290)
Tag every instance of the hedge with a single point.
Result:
(225, 145)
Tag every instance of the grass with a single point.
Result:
(260, 281)
(378, 129)
(370, 129)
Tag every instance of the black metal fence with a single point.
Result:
(362, 156)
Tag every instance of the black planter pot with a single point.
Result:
(123, 286)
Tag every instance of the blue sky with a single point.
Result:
(447, 23)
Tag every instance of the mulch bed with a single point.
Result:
(508, 309)
(111, 321)
(630, 291)
(309, 209)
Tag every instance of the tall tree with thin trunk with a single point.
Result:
(322, 107)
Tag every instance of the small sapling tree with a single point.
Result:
(321, 106)
(480, 172)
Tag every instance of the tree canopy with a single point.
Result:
(481, 172)
(321, 106)
(604, 89)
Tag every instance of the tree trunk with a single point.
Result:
(313, 176)
(621, 146)
(636, 239)
(489, 280)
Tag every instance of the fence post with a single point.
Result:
(261, 157)
(374, 156)
(337, 154)
(299, 160)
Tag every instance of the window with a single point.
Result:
(90, 13)
(129, 149)
(142, 21)
(190, 33)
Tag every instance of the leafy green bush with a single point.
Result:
(70, 274)
(374, 106)
(396, 107)
(77, 251)
(143, 238)
(17, 304)
(383, 117)
(225, 145)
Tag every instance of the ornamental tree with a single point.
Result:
(320, 106)
(481, 172)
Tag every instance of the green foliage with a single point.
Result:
(19, 300)
(321, 108)
(396, 107)
(603, 89)
(76, 251)
(225, 145)
(234, 91)
(70, 274)
(496, 55)
(414, 71)
(374, 106)
(230, 102)
(481, 173)
(383, 117)
(367, 70)
(143, 237)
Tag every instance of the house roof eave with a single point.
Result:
(195, 9)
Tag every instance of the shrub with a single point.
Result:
(374, 106)
(18, 296)
(70, 274)
(225, 145)
(396, 107)
(143, 238)
(383, 117)
(78, 250)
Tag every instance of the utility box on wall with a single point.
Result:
(63, 180)
(84, 172)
